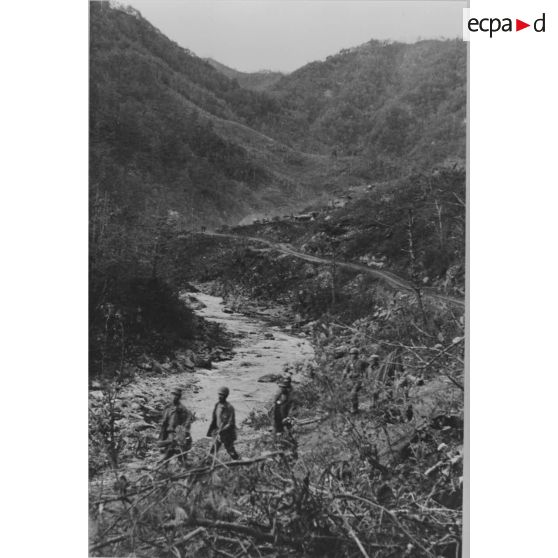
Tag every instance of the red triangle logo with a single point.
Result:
(519, 25)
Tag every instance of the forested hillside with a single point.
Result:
(394, 105)
(148, 97)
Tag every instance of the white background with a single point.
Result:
(513, 300)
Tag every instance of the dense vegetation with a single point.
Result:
(148, 141)
(397, 106)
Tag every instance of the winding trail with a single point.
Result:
(388, 277)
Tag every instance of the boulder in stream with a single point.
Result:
(203, 362)
(187, 363)
(157, 367)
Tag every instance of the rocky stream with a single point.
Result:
(262, 352)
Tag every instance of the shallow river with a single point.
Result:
(255, 356)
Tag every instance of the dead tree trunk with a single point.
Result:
(412, 260)
(333, 272)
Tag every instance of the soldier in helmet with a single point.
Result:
(175, 438)
(282, 406)
(287, 379)
(223, 426)
(354, 373)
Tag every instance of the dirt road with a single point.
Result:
(386, 276)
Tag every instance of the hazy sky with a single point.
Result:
(284, 35)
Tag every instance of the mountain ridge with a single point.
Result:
(257, 81)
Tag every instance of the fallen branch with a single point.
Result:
(259, 535)
(352, 533)
(113, 540)
(308, 421)
(192, 472)
(454, 381)
(442, 352)
(235, 528)
(189, 536)
(390, 514)
(344, 327)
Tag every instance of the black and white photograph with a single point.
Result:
(277, 315)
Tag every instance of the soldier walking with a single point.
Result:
(175, 438)
(282, 406)
(354, 373)
(223, 426)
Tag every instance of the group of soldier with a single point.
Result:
(175, 438)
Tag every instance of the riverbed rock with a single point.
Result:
(157, 367)
(269, 378)
(178, 367)
(309, 326)
(194, 303)
(203, 362)
(188, 364)
(219, 354)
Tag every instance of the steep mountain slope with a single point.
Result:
(169, 131)
(257, 81)
(386, 102)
